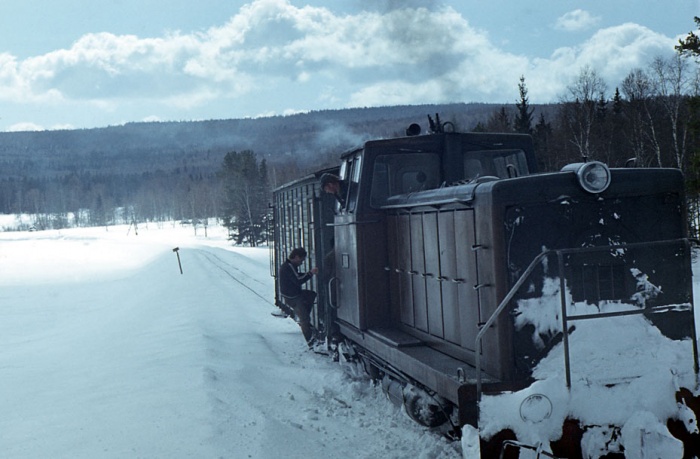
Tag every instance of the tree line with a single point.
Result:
(651, 119)
(188, 171)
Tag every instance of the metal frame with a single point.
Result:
(537, 449)
(565, 318)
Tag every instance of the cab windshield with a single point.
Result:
(403, 173)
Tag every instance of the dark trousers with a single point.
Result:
(302, 305)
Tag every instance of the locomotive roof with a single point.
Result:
(310, 178)
(486, 140)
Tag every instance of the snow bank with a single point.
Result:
(624, 373)
(107, 351)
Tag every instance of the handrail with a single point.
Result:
(357, 222)
(497, 312)
(565, 317)
(330, 292)
(271, 245)
(516, 444)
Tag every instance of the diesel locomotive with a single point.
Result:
(521, 310)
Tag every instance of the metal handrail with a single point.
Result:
(538, 259)
(565, 317)
(537, 449)
(329, 298)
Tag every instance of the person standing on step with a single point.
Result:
(300, 300)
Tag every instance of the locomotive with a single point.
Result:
(513, 309)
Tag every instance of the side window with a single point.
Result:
(343, 174)
(501, 163)
(472, 168)
(511, 164)
(353, 183)
(403, 173)
(350, 179)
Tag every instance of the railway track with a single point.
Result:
(237, 275)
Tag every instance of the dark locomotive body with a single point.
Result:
(437, 230)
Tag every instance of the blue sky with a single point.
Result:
(92, 63)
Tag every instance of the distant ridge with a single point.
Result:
(140, 147)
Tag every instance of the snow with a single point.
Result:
(624, 372)
(107, 351)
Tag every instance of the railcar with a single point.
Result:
(532, 311)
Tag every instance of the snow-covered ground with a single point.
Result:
(108, 351)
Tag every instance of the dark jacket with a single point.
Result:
(342, 193)
(291, 280)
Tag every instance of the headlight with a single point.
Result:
(536, 408)
(593, 176)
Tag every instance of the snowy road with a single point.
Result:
(107, 351)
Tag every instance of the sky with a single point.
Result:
(80, 64)
(108, 351)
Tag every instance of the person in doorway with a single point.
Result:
(300, 300)
(332, 184)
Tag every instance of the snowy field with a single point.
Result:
(108, 351)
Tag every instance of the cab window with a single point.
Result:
(353, 183)
(349, 175)
(403, 173)
(499, 163)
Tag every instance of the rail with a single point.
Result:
(539, 452)
(538, 259)
(565, 317)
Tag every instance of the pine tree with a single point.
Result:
(523, 119)
(691, 44)
(245, 197)
(499, 121)
(479, 127)
(541, 138)
(601, 109)
(617, 102)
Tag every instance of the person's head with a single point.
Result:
(297, 256)
(330, 183)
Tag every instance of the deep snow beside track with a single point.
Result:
(107, 351)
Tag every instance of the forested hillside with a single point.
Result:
(176, 170)
(169, 169)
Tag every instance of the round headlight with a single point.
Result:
(593, 176)
(536, 408)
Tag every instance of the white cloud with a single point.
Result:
(576, 20)
(25, 126)
(61, 127)
(612, 52)
(271, 50)
(268, 41)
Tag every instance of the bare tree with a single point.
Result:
(671, 82)
(579, 108)
(637, 89)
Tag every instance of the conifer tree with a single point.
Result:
(541, 137)
(617, 102)
(523, 119)
(691, 44)
(245, 197)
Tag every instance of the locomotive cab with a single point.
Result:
(408, 281)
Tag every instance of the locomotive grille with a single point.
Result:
(595, 283)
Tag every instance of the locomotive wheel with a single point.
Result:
(679, 428)
(424, 409)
